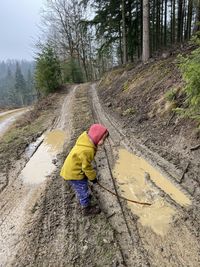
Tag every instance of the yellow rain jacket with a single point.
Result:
(78, 163)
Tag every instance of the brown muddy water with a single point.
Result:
(130, 172)
(42, 163)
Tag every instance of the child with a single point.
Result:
(77, 168)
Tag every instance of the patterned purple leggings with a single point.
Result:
(82, 192)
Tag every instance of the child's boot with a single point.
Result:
(91, 210)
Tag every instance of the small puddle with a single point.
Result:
(41, 163)
(30, 150)
(130, 173)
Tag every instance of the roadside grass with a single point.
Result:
(27, 129)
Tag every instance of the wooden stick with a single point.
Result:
(184, 172)
(195, 147)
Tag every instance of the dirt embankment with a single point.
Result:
(152, 230)
(138, 99)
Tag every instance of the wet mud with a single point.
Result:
(43, 225)
(164, 233)
(42, 222)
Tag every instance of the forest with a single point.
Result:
(17, 83)
(90, 37)
(82, 39)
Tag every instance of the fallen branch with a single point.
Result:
(172, 116)
(195, 147)
(109, 216)
(130, 200)
(184, 172)
(145, 141)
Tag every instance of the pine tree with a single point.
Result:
(10, 88)
(48, 71)
(20, 86)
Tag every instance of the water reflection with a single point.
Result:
(130, 173)
(41, 163)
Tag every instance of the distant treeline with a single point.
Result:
(17, 83)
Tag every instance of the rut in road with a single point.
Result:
(57, 234)
(18, 201)
(173, 247)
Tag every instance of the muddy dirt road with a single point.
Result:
(41, 223)
(8, 117)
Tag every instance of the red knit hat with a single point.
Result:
(96, 132)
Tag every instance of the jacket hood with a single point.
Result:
(96, 132)
(84, 140)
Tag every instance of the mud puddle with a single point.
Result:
(42, 163)
(130, 171)
(8, 117)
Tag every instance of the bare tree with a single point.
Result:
(64, 22)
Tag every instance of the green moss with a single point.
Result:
(100, 240)
(125, 86)
(128, 111)
(170, 95)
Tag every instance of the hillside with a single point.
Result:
(139, 98)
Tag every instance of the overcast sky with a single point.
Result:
(18, 28)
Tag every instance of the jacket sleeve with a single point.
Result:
(86, 158)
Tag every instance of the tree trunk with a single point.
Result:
(180, 21)
(120, 44)
(130, 37)
(197, 18)
(145, 54)
(184, 20)
(158, 24)
(153, 26)
(141, 27)
(173, 21)
(162, 23)
(165, 25)
(124, 33)
(189, 20)
(137, 29)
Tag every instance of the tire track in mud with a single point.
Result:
(57, 234)
(165, 253)
(17, 201)
(132, 145)
(134, 254)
